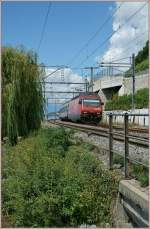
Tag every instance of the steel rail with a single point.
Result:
(105, 133)
(119, 137)
(105, 128)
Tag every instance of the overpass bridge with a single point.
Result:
(108, 86)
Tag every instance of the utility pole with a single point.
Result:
(92, 75)
(92, 78)
(55, 108)
(47, 108)
(133, 81)
(86, 84)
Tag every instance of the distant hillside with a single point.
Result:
(141, 60)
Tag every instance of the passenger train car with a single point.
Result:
(86, 108)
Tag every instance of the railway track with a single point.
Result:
(137, 136)
(105, 126)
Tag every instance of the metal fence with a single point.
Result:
(110, 72)
(127, 138)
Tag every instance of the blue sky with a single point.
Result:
(69, 26)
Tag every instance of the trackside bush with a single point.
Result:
(49, 182)
(125, 102)
(141, 173)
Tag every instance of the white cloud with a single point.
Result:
(131, 37)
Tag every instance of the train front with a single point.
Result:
(91, 109)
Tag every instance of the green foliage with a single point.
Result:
(142, 98)
(47, 182)
(22, 100)
(142, 65)
(125, 102)
(119, 103)
(142, 174)
(142, 55)
(118, 159)
(141, 61)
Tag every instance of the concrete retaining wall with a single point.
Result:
(123, 85)
(142, 121)
(141, 81)
(135, 201)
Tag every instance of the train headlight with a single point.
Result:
(84, 112)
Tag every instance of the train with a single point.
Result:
(83, 108)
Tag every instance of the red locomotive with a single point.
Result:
(86, 108)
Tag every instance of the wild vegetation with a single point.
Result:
(47, 181)
(125, 102)
(141, 173)
(141, 60)
(22, 102)
(138, 171)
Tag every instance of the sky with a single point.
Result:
(119, 29)
(69, 26)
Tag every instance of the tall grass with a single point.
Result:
(124, 102)
(22, 100)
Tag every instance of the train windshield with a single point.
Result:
(91, 102)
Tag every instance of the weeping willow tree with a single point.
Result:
(22, 99)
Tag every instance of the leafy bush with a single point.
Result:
(142, 174)
(118, 159)
(47, 182)
(124, 102)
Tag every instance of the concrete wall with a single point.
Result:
(135, 201)
(139, 120)
(141, 81)
(102, 96)
(108, 82)
(123, 85)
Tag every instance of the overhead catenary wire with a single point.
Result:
(95, 34)
(137, 42)
(128, 47)
(44, 26)
(108, 38)
(81, 68)
(111, 35)
(124, 58)
(59, 68)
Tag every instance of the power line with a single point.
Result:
(128, 47)
(124, 58)
(59, 68)
(44, 26)
(137, 42)
(108, 38)
(95, 34)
